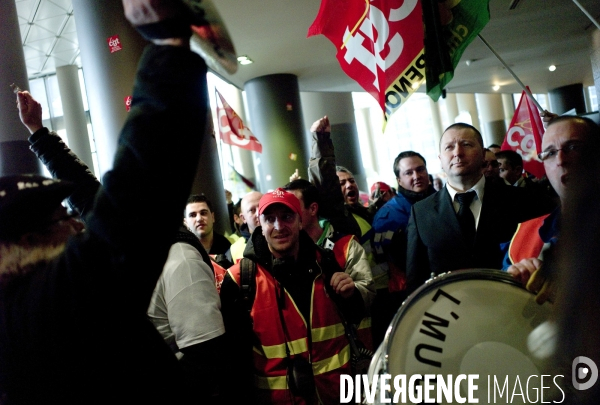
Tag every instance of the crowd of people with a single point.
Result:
(99, 304)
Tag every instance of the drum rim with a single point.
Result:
(439, 280)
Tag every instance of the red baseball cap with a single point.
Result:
(280, 196)
(383, 187)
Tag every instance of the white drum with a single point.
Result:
(468, 322)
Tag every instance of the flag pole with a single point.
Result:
(592, 19)
(512, 73)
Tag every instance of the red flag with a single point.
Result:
(524, 136)
(232, 130)
(246, 181)
(379, 44)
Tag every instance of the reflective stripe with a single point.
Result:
(271, 383)
(333, 362)
(278, 351)
(328, 332)
(365, 323)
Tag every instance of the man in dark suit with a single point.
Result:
(463, 225)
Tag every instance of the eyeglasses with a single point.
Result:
(566, 149)
(287, 217)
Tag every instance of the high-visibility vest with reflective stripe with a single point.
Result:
(237, 250)
(329, 353)
(526, 242)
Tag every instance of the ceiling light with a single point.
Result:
(244, 60)
(552, 68)
(496, 87)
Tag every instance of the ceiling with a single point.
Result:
(531, 37)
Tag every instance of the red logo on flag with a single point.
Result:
(128, 103)
(379, 44)
(524, 136)
(114, 44)
(231, 128)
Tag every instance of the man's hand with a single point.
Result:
(30, 111)
(321, 125)
(142, 13)
(342, 284)
(295, 176)
(523, 270)
(547, 116)
(527, 271)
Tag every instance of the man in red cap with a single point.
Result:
(281, 315)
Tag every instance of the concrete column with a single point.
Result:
(467, 103)
(209, 181)
(108, 76)
(15, 156)
(339, 107)
(451, 108)
(595, 58)
(493, 128)
(74, 113)
(508, 105)
(368, 151)
(565, 98)
(437, 122)
(276, 117)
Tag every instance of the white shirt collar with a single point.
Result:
(478, 188)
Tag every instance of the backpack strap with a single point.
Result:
(248, 281)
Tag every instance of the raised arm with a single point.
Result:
(60, 161)
(321, 172)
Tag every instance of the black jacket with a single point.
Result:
(73, 325)
(435, 244)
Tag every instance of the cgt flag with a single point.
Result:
(231, 128)
(524, 136)
(379, 44)
(450, 26)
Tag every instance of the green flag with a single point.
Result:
(450, 26)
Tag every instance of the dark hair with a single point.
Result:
(494, 145)
(197, 198)
(462, 125)
(309, 191)
(237, 207)
(406, 154)
(511, 157)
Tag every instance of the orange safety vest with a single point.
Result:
(526, 242)
(329, 353)
(340, 251)
(219, 273)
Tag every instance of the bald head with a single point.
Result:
(249, 209)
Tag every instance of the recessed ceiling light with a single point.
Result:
(244, 60)
(496, 87)
(552, 68)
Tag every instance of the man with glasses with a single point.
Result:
(491, 167)
(562, 145)
(283, 323)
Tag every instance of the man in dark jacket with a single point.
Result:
(73, 325)
(463, 225)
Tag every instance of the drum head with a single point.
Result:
(465, 322)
